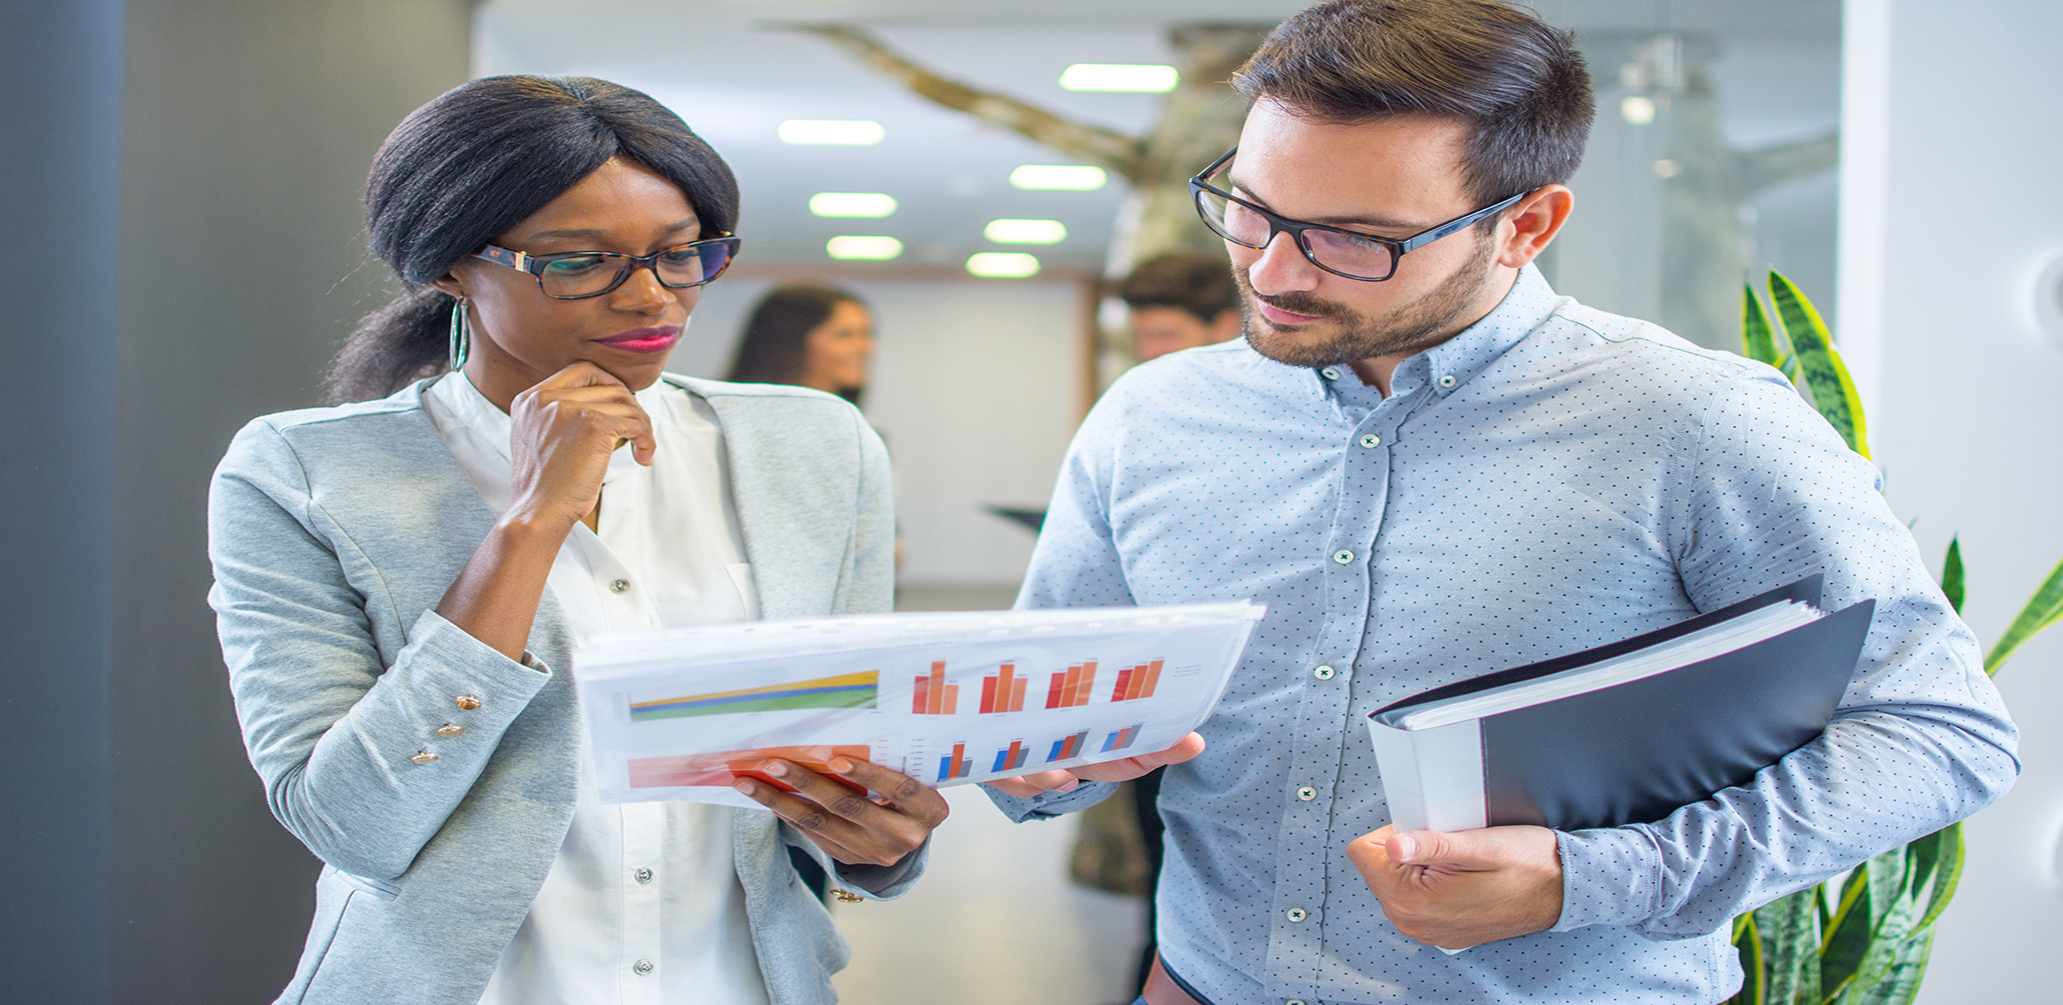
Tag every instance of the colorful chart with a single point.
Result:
(854, 690)
(1011, 758)
(729, 766)
(1068, 746)
(1071, 687)
(955, 765)
(934, 695)
(1136, 682)
(1122, 738)
(1002, 691)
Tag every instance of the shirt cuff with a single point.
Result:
(882, 882)
(1050, 804)
(1610, 876)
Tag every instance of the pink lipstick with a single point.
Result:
(658, 338)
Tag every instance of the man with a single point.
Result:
(1177, 302)
(1430, 467)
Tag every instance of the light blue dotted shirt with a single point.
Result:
(1551, 479)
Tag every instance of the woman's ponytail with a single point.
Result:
(394, 346)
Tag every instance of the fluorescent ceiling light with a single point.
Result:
(1003, 265)
(1025, 231)
(1638, 109)
(832, 132)
(1059, 177)
(1138, 78)
(854, 204)
(863, 249)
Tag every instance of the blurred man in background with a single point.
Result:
(1180, 301)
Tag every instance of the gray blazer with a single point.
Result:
(334, 532)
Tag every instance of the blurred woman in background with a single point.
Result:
(808, 336)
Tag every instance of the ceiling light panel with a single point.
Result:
(1059, 177)
(863, 205)
(854, 248)
(1003, 265)
(1025, 231)
(832, 132)
(1131, 78)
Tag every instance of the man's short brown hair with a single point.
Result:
(1198, 284)
(1517, 82)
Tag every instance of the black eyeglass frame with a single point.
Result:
(536, 264)
(1279, 224)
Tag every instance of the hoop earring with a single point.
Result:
(461, 335)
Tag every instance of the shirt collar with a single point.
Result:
(1449, 365)
(468, 407)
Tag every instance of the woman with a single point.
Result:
(399, 581)
(808, 336)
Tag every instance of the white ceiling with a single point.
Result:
(734, 77)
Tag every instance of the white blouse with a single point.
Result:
(642, 904)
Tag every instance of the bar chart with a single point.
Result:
(1003, 691)
(1068, 746)
(935, 696)
(1070, 687)
(955, 765)
(1010, 758)
(1122, 738)
(1136, 682)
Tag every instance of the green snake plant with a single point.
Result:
(1862, 940)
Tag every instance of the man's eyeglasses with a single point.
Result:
(577, 275)
(1344, 253)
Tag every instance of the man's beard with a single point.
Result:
(1414, 327)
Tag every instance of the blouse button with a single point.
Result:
(643, 967)
(642, 875)
(619, 586)
(422, 757)
(845, 896)
(468, 702)
(450, 729)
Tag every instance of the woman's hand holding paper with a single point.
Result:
(845, 823)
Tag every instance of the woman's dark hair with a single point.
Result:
(773, 349)
(478, 160)
(1516, 81)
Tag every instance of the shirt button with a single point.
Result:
(642, 875)
(1343, 556)
(1446, 380)
(467, 702)
(422, 757)
(643, 967)
(1323, 673)
(1371, 440)
(1306, 793)
(1296, 914)
(1330, 373)
(619, 586)
(449, 730)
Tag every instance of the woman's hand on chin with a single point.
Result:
(562, 433)
(853, 828)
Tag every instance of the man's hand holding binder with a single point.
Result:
(1465, 888)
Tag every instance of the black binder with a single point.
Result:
(1631, 752)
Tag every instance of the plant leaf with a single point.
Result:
(1819, 363)
(1948, 871)
(2041, 611)
(1747, 941)
(1789, 930)
(1758, 341)
(1900, 982)
(1952, 573)
(1847, 939)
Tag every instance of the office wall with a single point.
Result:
(1952, 129)
(60, 68)
(247, 129)
(976, 385)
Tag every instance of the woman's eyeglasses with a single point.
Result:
(1341, 252)
(577, 275)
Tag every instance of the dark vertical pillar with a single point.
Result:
(248, 126)
(60, 128)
